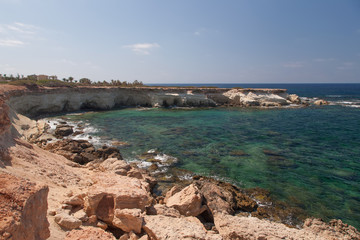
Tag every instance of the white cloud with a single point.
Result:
(11, 43)
(323, 59)
(17, 34)
(142, 48)
(293, 65)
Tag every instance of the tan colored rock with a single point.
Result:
(89, 233)
(321, 102)
(112, 192)
(77, 200)
(23, 209)
(67, 221)
(171, 192)
(234, 227)
(188, 201)
(115, 165)
(294, 98)
(128, 220)
(81, 215)
(161, 227)
(102, 225)
(161, 209)
(217, 198)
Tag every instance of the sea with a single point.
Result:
(308, 157)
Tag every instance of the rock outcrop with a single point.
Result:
(23, 208)
(234, 227)
(89, 233)
(188, 201)
(52, 100)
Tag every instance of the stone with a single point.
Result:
(77, 200)
(102, 225)
(128, 220)
(321, 102)
(170, 228)
(63, 130)
(113, 192)
(188, 201)
(234, 227)
(294, 98)
(67, 221)
(108, 152)
(160, 209)
(81, 215)
(115, 165)
(217, 198)
(89, 233)
(23, 209)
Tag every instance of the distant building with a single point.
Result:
(42, 77)
(53, 77)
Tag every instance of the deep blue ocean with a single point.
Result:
(308, 157)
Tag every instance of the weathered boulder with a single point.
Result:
(321, 102)
(23, 209)
(79, 151)
(115, 165)
(294, 98)
(217, 198)
(234, 227)
(63, 130)
(89, 233)
(108, 152)
(67, 221)
(128, 220)
(113, 192)
(188, 201)
(161, 209)
(163, 227)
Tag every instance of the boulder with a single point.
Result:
(321, 102)
(67, 221)
(111, 192)
(234, 227)
(160, 209)
(163, 227)
(89, 233)
(23, 209)
(188, 201)
(294, 98)
(108, 152)
(217, 198)
(63, 130)
(115, 165)
(128, 220)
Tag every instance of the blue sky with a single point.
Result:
(184, 41)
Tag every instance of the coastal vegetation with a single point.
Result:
(53, 81)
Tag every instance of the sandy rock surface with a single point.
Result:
(23, 208)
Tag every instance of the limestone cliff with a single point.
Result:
(52, 100)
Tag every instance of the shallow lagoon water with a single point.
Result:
(308, 157)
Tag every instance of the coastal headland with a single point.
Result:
(68, 189)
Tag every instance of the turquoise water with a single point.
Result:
(308, 157)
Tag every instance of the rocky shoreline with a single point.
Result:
(68, 189)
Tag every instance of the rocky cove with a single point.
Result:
(87, 193)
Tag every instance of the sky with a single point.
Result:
(183, 41)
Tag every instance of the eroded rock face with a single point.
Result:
(89, 233)
(234, 227)
(67, 221)
(23, 208)
(63, 131)
(116, 192)
(321, 102)
(188, 201)
(128, 220)
(162, 227)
